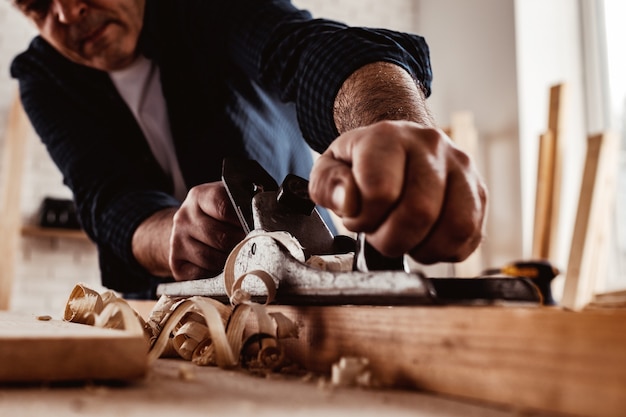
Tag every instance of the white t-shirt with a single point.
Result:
(140, 87)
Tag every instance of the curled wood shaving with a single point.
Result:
(351, 372)
(200, 329)
(337, 263)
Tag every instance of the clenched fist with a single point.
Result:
(407, 187)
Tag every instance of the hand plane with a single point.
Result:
(286, 236)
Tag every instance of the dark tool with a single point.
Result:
(294, 194)
(262, 206)
(244, 181)
(367, 258)
(540, 272)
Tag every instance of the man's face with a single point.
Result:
(97, 33)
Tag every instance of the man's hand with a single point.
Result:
(407, 187)
(205, 230)
(191, 242)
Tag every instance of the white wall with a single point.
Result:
(473, 57)
(549, 51)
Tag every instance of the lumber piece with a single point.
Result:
(610, 299)
(543, 197)
(588, 258)
(33, 350)
(549, 172)
(14, 154)
(529, 358)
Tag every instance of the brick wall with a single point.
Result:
(48, 268)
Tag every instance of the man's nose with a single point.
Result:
(69, 11)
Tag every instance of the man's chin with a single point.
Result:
(105, 62)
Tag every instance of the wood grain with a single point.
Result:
(33, 350)
(530, 358)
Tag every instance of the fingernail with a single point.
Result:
(339, 197)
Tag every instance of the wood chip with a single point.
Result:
(200, 329)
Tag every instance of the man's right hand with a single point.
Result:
(205, 229)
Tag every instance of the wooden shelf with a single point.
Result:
(37, 231)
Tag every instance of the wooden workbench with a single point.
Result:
(528, 358)
(207, 391)
(480, 360)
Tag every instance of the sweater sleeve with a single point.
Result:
(306, 60)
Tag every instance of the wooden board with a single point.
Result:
(549, 173)
(178, 388)
(543, 197)
(14, 154)
(51, 232)
(588, 259)
(34, 350)
(529, 358)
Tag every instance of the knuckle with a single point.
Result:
(194, 193)
(462, 159)
(421, 215)
(462, 232)
(221, 240)
(222, 208)
(430, 136)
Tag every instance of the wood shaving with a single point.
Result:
(351, 372)
(200, 329)
(337, 263)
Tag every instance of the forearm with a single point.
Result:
(380, 91)
(151, 242)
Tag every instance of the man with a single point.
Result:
(139, 101)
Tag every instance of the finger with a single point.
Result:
(200, 251)
(417, 210)
(331, 185)
(458, 231)
(379, 172)
(205, 229)
(377, 168)
(213, 201)
(207, 225)
(194, 260)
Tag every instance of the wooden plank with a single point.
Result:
(550, 167)
(588, 259)
(50, 232)
(541, 358)
(34, 350)
(610, 299)
(177, 388)
(14, 154)
(556, 123)
(543, 197)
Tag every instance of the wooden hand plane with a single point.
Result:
(267, 211)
